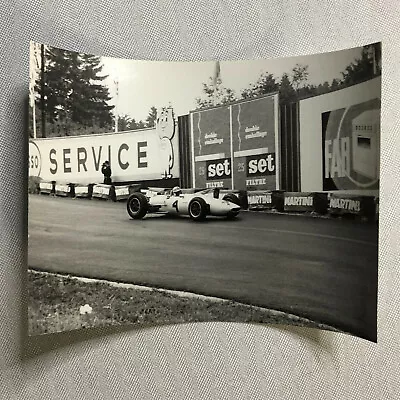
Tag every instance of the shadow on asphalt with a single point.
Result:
(185, 219)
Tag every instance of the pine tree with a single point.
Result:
(335, 85)
(151, 118)
(265, 84)
(364, 68)
(294, 86)
(96, 95)
(287, 94)
(217, 92)
(74, 96)
(124, 123)
(137, 124)
(299, 76)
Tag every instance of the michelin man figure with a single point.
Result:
(165, 127)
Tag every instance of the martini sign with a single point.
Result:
(351, 147)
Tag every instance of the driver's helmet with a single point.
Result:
(176, 191)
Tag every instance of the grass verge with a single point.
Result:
(55, 303)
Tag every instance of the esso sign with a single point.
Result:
(34, 160)
(219, 169)
(263, 164)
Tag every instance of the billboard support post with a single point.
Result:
(231, 140)
(277, 141)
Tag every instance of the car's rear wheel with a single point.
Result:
(198, 209)
(137, 205)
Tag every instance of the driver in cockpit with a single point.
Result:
(176, 191)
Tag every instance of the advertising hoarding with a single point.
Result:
(338, 132)
(351, 147)
(237, 146)
(254, 138)
(212, 148)
(140, 155)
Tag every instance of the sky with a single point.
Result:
(143, 84)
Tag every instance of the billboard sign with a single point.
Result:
(351, 147)
(254, 138)
(235, 146)
(211, 148)
(141, 155)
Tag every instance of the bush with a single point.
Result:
(33, 185)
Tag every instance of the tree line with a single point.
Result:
(294, 86)
(71, 98)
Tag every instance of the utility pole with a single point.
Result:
(374, 58)
(33, 69)
(216, 78)
(116, 104)
(42, 96)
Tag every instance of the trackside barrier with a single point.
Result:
(342, 204)
(101, 191)
(135, 188)
(119, 193)
(321, 203)
(278, 200)
(260, 200)
(317, 202)
(306, 202)
(334, 204)
(62, 190)
(299, 202)
(46, 187)
(266, 200)
(114, 193)
(82, 191)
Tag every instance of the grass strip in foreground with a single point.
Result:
(62, 303)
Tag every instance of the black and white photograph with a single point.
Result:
(176, 192)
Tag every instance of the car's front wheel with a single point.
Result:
(137, 205)
(198, 209)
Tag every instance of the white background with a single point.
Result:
(196, 361)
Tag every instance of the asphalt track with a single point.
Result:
(325, 270)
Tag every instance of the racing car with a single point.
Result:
(196, 204)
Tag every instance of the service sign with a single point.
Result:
(34, 160)
(211, 146)
(134, 156)
(254, 139)
(351, 147)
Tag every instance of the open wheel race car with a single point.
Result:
(197, 205)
